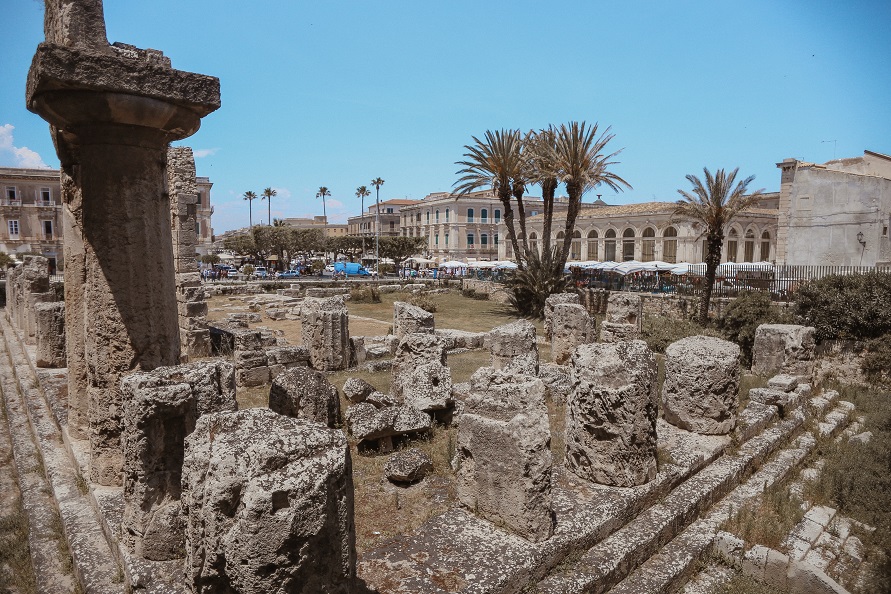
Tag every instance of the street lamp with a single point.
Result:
(860, 238)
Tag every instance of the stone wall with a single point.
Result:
(497, 292)
(190, 299)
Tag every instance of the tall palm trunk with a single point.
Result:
(712, 261)
(250, 215)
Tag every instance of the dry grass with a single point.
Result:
(768, 519)
(255, 397)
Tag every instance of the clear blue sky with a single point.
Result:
(337, 93)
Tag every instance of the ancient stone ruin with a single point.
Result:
(783, 348)
(513, 347)
(305, 394)
(421, 377)
(113, 110)
(325, 328)
(701, 384)
(624, 315)
(571, 326)
(408, 319)
(503, 457)
(268, 501)
(550, 303)
(611, 414)
(49, 318)
(161, 408)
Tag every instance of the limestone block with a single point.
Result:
(804, 578)
(754, 562)
(408, 466)
(288, 356)
(729, 548)
(367, 422)
(256, 376)
(612, 332)
(503, 458)
(552, 301)
(325, 330)
(611, 414)
(357, 390)
(380, 399)
(701, 384)
(782, 400)
(50, 321)
(304, 393)
(421, 377)
(557, 379)
(269, 506)
(358, 354)
(408, 319)
(783, 382)
(161, 408)
(570, 327)
(783, 348)
(513, 346)
(624, 308)
(459, 339)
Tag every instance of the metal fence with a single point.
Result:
(781, 282)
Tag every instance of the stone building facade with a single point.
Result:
(365, 225)
(31, 205)
(648, 231)
(837, 213)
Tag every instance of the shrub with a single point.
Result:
(739, 321)
(659, 331)
(423, 301)
(853, 306)
(365, 295)
(247, 270)
(876, 362)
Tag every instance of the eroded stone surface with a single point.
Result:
(368, 422)
(700, 391)
(325, 330)
(570, 327)
(503, 457)
(783, 348)
(408, 319)
(624, 308)
(161, 408)
(421, 377)
(550, 302)
(305, 394)
(408, 466)
(357, 390)
(513, 347)
(611, 414)
(50, 321)
(269, 506)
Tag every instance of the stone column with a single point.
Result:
(514, 347)
(571, 326)
(113, 109)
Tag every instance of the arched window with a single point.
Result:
(628, 245)
(469, 215)
(648, 245)
(497, 215)
(533, 241)
(447, 215)
(436, 216)
(575, 249)
(484, 215)
(732, 245)
(561, 235)
(592, 245)
(670, 245)
(484, 240)
(765, 246)
(749, 247)
(428, 217)
(609, 246)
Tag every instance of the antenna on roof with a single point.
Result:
(834, 145)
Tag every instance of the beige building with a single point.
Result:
(466, 228)
(329, 229)
(647, 231)
(31, 211)
(837, 213)
(365, 225)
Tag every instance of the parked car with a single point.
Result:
(288, 274)
(261, 272)
(329, 268)
(351, 268)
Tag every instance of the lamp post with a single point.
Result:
(377, 183)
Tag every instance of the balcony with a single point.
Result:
(10, 202)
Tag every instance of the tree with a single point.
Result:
(506, 161)
(348, 246)
(362, 193)
(241, 245)
(377, 183)
(323, 191)
(210, 259)
(399, 248)
(250, 197)
(268, 194)
(714, 204)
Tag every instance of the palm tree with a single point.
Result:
(362, 192)
(377, 183)
(715, 204)
(268, 193)
(582, 165)
(323, 191)
(250, 197)
(497, 162)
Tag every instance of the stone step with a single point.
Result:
(612, 559)
(95, 564)
(676, 562)
(49, 557)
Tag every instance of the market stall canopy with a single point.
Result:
(453, 264)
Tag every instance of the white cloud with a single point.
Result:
(281, 192)
(200, 153)
(21, 156)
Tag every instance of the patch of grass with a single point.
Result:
(855, 480)
(255, 397)
(767, 519)
(661, 331)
